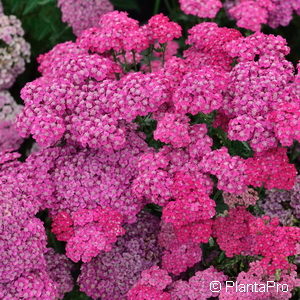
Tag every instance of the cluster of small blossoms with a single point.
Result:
(175, 129)
(9, 136)
(27, 271)
(240, 233)
(111, 274)
(282, 13)
(274, 206)
(69, 178)
(251, 14)
(177, 256)
(249, 197)
(283, 204)
(87, 231)
(257, 280)
(190, 218)
(201, 8)
(230, 170)
(59, 268)
(157, 173)
(14, 52)
(192, 208)
(286, 118)
(198, 286)
(82, 14)
(151, 285)
(155, 283)
(261, 88)
(208, 46)
(261, 170)
(200, 91)
(79, 97)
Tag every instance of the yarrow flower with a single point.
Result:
(27, 270)
(197, 287)
(81, 14)
(230, 170)
(249, 235)
(111, 274)
(59, 189)
(92, 231)
(251, 14)
(270, 174)
(114, 31)
(249, 197)
(190, 214)
(257, 273)
(177, 256)
(162, 30)
(201, 8)
(151, 285)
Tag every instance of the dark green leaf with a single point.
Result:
(30, 6)
(125, 4)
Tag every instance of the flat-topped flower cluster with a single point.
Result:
(248, 14)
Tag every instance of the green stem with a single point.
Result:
(149, 54)
(134, 60)
(125, 61)
(156, 7)
(164, 47)
(169, 8)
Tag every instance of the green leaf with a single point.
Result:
(76, 295)
(30, 6)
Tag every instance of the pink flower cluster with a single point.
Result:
(177, 256)
(201, 8)
(151, 285)
(257, 274)
(230, 170)
(270, 174)
(155, 283)
(87, 95)
(208, 45)
(251, 14)
(75, 13)
(249, 197)
(111, 274)
(240, 233)
(261, 84)
(190, 214)
(69, 179)
(157, 173)
(198, 286)
(29, 270)
(87, 232)
(189, 218)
